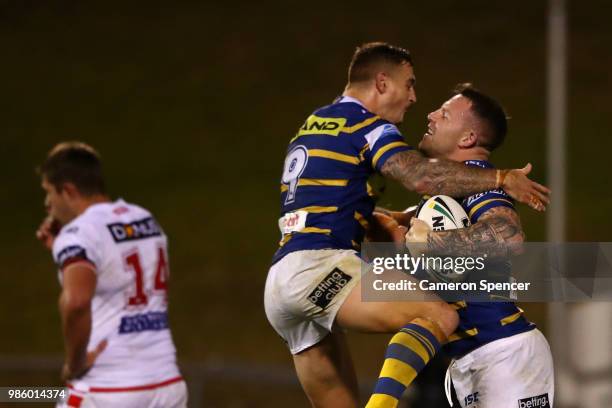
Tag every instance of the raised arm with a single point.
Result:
(438, 176)
(498, 233)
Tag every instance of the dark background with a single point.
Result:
(192, 104)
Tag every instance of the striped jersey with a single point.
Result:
(325, 199)
(483, 322)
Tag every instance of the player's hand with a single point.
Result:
(416, 237)
(520, 187)
(403, 217)
(418, 231)
(47, 231)
(384, 228)
(72, 371)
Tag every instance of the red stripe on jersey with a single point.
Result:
(74, 401)
(134, 388)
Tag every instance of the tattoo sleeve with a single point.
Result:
(497, 233)
(437, 176)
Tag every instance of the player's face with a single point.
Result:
(56, 203)
(399, 93)
(446, 127)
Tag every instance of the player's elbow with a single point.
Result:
(445, 317)
(74, 302)
(448, 321)
(421, 186)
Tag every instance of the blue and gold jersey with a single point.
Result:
(477, 204)
(483, 322)
(325, 199)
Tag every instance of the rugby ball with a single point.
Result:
(443, 213)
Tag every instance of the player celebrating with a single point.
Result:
(314, 282)
(113, 267)
(501, 359)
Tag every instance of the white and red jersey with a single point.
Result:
(128, 250)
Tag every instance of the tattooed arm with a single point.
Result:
(438, 176)
(497, 233)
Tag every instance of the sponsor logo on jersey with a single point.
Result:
(473, 198)
(389, 130)
(121, 210)
(541, 401)
(70, 254)
(152, 321)
(329, 287)
(476, 163)
(292, 222)
(140, 229)
(316, 125)
(470, 399)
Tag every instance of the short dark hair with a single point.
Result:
(369, 56)
(77, 163)
(490, 113)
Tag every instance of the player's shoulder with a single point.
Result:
(349, 118)
(116, 210)
(83, 226)
(121, 207)
(129, 218)
(100, 216)
(76, 240)
(381, 130)
(357, 117)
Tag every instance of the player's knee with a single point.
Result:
(443, 316)
(393, 322)
(447, 318)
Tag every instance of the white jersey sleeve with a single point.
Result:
(76, 242)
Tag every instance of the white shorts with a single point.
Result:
(304, 292)
(173, 395)
(513, 372)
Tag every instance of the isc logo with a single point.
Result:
(316, 125)
(470, 399)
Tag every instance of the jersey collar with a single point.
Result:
(346, 99)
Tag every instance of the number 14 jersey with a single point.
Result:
(128, 250)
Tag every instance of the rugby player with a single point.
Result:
(313, 286)
(501, 360)
(113, 268)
